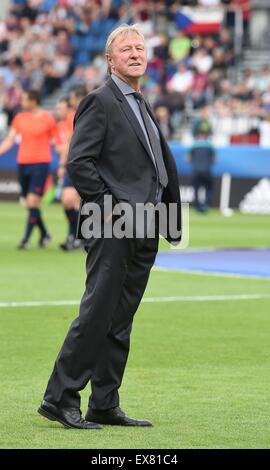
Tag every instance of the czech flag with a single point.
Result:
(199, 20)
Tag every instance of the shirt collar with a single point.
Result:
(124, 87)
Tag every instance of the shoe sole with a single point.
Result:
(51, 417)
(125, 425)
(150, 425)
(48, 415)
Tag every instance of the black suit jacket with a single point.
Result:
(109, 154)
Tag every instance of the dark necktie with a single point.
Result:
(154, 141)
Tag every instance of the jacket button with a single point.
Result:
(154, 178)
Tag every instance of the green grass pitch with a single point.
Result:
(198, 370)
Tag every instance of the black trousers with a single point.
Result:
(97, 344)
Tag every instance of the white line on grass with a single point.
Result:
(210, 273)
(180, 298)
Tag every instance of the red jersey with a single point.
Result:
(36, 133)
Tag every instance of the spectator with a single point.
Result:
(179, 47)
(202, 123)
(245, 8)
(163, 118)
(199, 89)
(44, 43)
(263, 79)
(12, 100)
(265, 131)
(202, 60)
(182, 80)
(63, 44)
(246, 11)
(249, 79)
(266, 99)
(209, 3)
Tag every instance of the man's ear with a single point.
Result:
(109, 62)
(109, 59)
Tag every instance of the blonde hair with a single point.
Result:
(122, 29)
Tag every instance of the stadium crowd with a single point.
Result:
(47, 43)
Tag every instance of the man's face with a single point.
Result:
(62, 109)
(74, 100)
(128, 57)
(27, 103)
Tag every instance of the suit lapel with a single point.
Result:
(129, 114)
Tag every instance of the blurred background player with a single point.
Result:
(63, 134)
(36, 129)
(202, 123)
(70, 199)
(202, 157)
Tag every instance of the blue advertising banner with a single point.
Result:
(246, 165)
(242, 161)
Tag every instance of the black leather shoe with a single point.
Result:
(68, 417)
(114, 416)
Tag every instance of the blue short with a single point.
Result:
(67, 183)
(32, 177)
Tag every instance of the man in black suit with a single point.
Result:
(117, 150)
